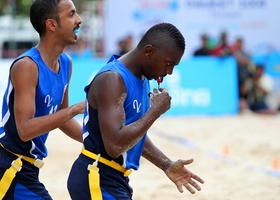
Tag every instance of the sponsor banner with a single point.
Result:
(198, 86)
(203, 86)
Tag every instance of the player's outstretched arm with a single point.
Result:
(175, 171)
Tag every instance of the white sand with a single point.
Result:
(245, 173)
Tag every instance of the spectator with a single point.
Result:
(245, 68)
(222, 49)
(121, 47)
(260, 90)
(129, 43)
(203, 50)
(125, 45)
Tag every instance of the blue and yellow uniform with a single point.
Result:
(49, 96)
(113, 183)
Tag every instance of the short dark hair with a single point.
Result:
(163, 32)
(40, 11)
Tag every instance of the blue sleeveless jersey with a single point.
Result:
(136, 105)
(49, 96)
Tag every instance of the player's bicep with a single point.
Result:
(109, 94)
(24, 76)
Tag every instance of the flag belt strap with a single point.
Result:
(36, 162)
(109, 163)
(15, 167)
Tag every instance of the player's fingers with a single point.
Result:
(163, 90)
(186, 162)
(155, 90)
(180, 188)
(189, 188)
(195, 185)
(197, 178)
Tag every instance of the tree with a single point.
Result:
(21, 7)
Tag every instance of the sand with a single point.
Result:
(237, 156)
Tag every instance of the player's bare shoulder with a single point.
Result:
(24, 64)
(107, 87)
(24, 69)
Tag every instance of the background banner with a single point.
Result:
(254, 20)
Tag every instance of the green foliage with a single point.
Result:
(21, 7)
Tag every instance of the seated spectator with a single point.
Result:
(203, 50)
(260, 89)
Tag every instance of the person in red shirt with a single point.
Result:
(223, 48)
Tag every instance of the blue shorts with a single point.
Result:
(114, 185)
(26, 184)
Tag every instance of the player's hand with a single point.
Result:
(80, 107)
(160, 100)
(182, 177)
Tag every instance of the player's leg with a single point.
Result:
(77, 183)
(26, 184)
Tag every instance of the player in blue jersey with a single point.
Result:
(36, 100)
(118, 114)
